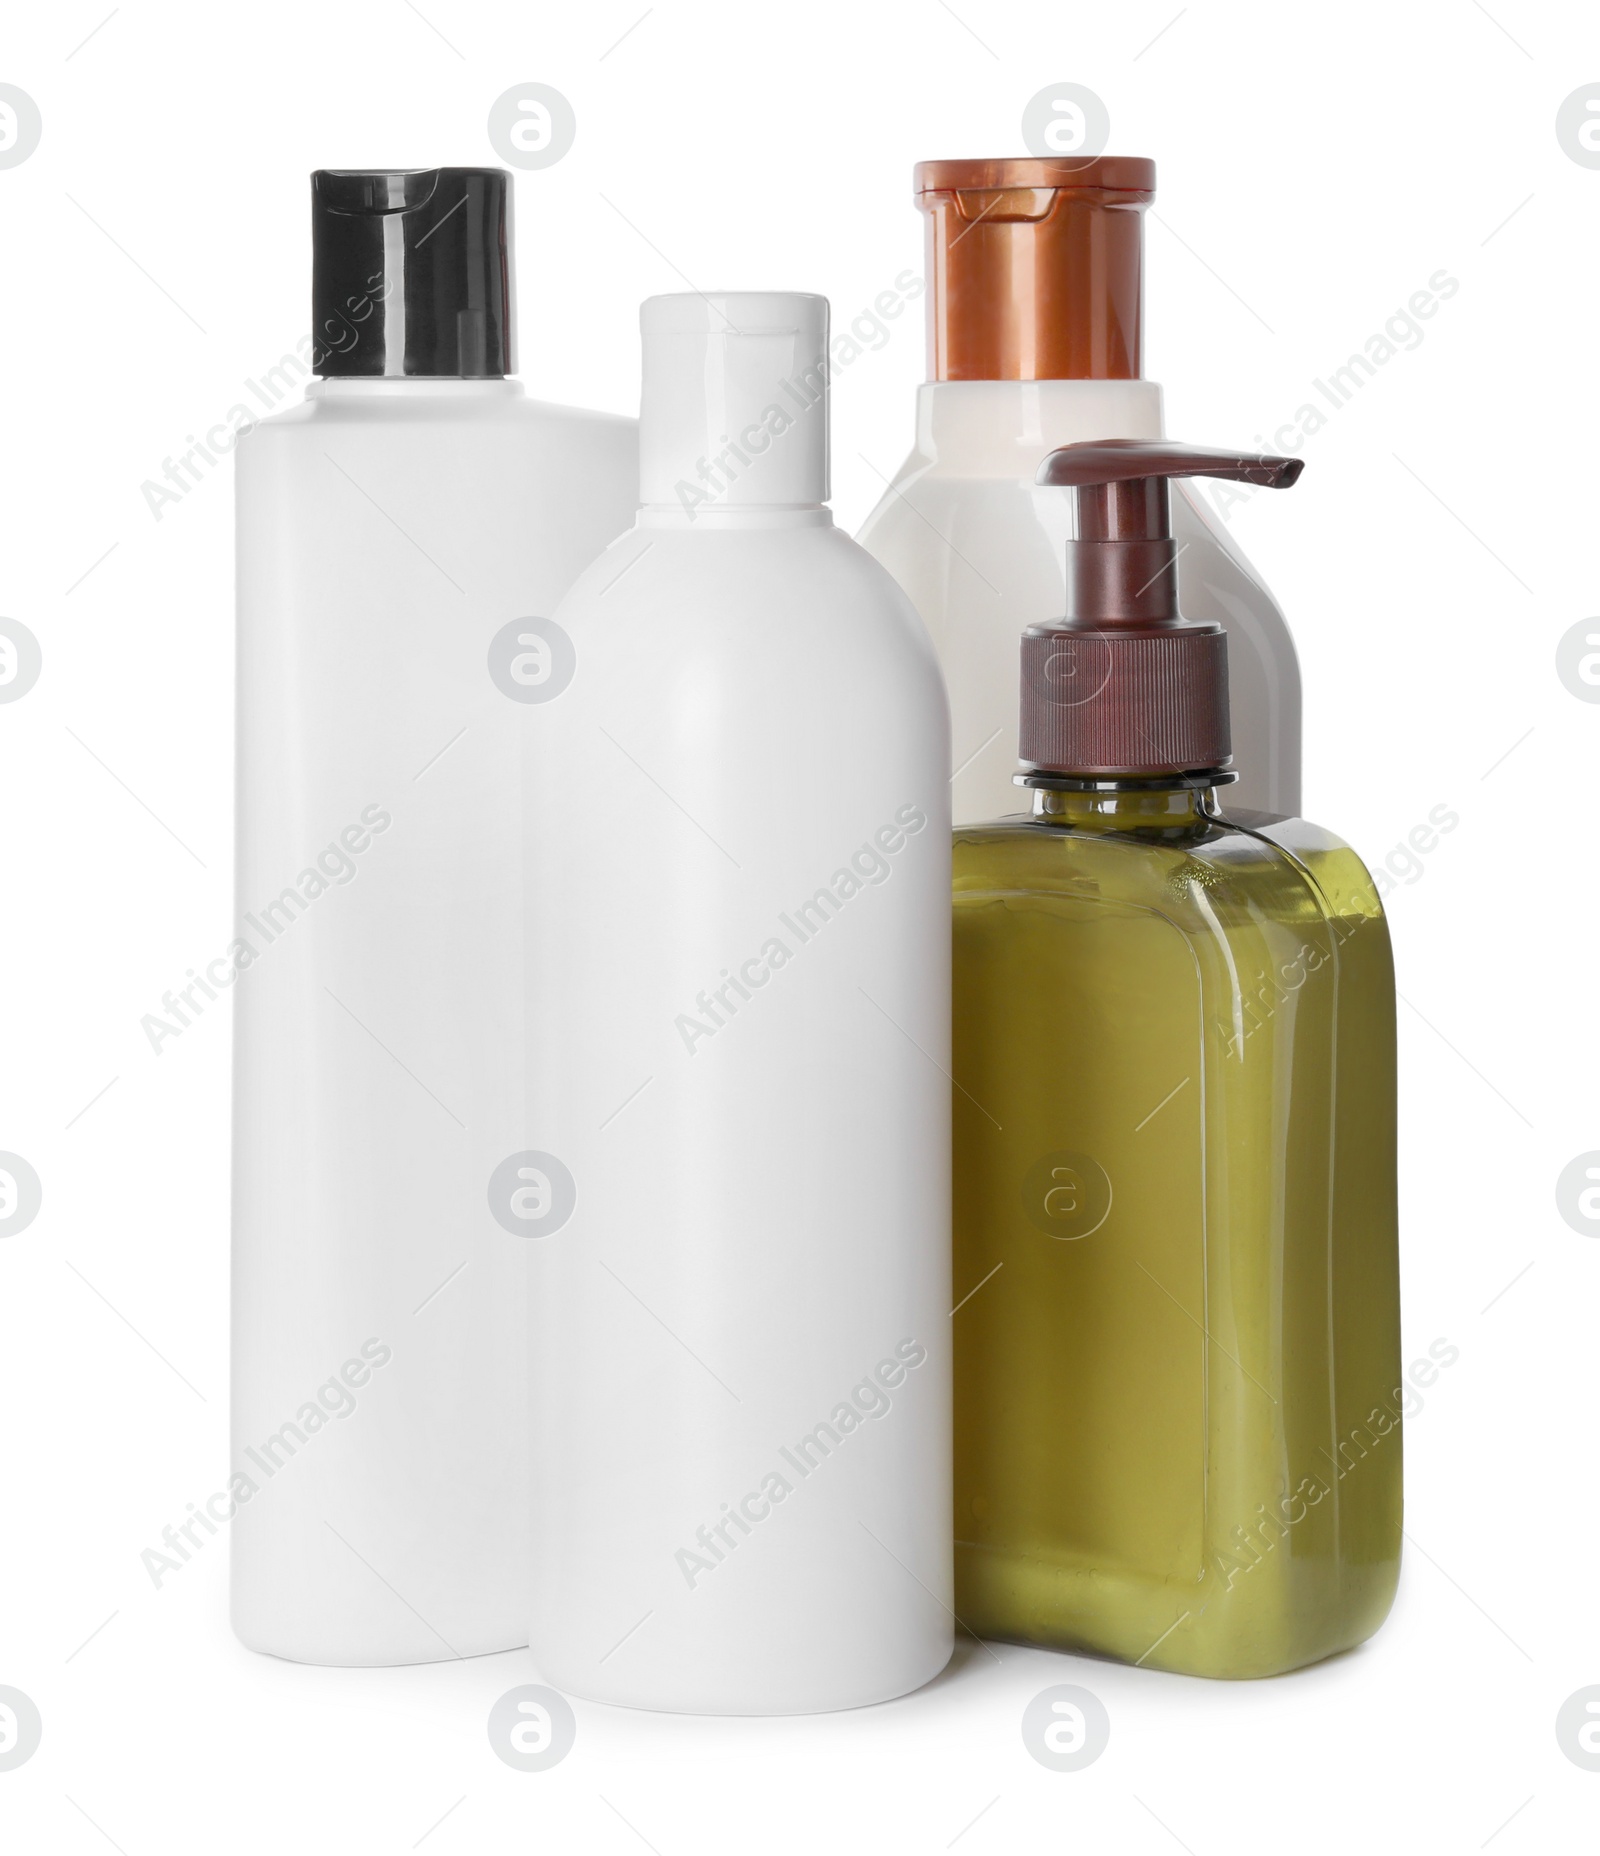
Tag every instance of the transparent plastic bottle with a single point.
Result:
(1177, 1433)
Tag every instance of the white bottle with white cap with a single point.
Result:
(740, 1227)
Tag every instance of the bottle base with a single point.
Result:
(333, 1653)
(745, 1700)
(1150, 1624)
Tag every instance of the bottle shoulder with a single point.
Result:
(1222, 876)
(437, 405)
(762, 573)
(787, 642)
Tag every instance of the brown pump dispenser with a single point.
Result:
(1124, 686)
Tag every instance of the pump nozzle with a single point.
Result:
(1126, 460)
(1124, 685)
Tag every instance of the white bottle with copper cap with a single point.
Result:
(741, 1304)
(1035, 274)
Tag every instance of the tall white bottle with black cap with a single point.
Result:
(402, 536)
(741, 1305)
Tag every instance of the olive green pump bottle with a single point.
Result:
(1177, 1411)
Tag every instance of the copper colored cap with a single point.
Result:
(1124, 686)
(1035, 266)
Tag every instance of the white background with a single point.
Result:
(1316, 166)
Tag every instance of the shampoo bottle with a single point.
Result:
(1177, 1375)
(402, 537)
(740, 1312)
(1034, 272)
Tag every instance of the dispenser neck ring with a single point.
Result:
(1201, 780)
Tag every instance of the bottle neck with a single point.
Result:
(410, 386)
(1135, 806)
(1004, 428)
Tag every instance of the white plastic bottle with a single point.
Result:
(401, 535)
(1035, 281)
(741, 1311)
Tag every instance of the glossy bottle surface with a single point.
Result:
(1176, 1413)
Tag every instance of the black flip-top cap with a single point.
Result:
(411, 273)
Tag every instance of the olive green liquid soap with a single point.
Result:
(1177, 1426)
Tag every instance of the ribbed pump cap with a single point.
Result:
(1124, 686)
(411, 273)
(733, 407)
